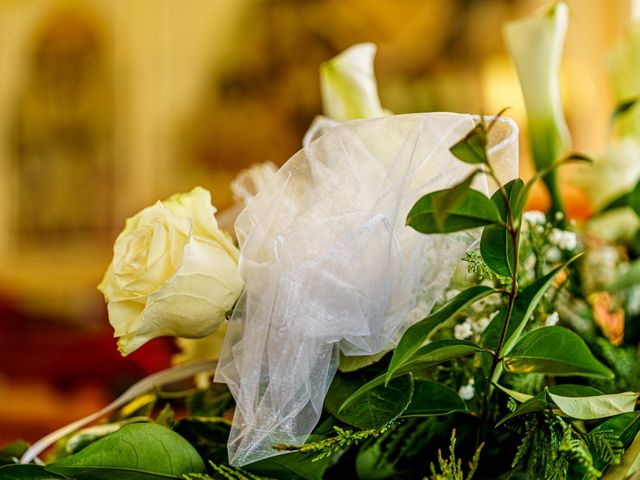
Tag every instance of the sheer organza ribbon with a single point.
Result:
(330, 266)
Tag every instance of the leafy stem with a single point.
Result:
(514, 234)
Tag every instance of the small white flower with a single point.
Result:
(553, 255)
(467, 392)
(552, 320)
(481, 324)
(563, 239)
(462, 331)
(535, 217)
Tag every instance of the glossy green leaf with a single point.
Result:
(433, 398)
(524, 306)
(593, 407)
(27, 472)
(417, 334)
(473, 147)
(434, 353)
(541, 401)
(375, 407)
(137, 451)
(448, 199)
(496, 243)
(554, 351)
(625, 426)
(439, 351)
(472, 209)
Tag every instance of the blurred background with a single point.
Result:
(108, 105)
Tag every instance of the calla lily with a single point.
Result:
(535, 45)
(348, 85)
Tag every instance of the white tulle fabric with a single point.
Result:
(330, 266)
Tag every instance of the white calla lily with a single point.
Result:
(535, 45)
(348, 85)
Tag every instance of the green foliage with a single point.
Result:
(552, 449)
(342, 440)
(375, 407)
(433, 398)
(497, 244)
(27, 472)
(417, 334)
(140, 451)
(471, 209)
(554, 351)
(9, 453)
(473, 147)
(226, 472)
(451, 468)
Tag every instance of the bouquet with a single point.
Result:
(387, 308)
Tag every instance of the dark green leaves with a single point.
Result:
(418, 333)
(434, 353)
(137, 451)
(496, 243)
(432, 398)
(27, 472)
(471, 209)
(376, 406)
(473, 147)
(526, 302)
(554, 351)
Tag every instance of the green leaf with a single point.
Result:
(439, 351)
(12, 451)
(541, 401)
(496, 243)
(472, 209)
(554, 351)
(432, 354)
(27, 472)
(448, 199)
(473, 147)
(518, 396)
(375, 407)
(593, 407)
(137, 451)
(526, 302)
(418, 333)
(629, 466)
(634, 199)
(432, 398)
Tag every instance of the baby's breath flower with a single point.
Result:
(563, 239)
(535, 217)
(462, 331)
(468, 391)
(552, 320)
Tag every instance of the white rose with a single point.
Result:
(174, 273)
